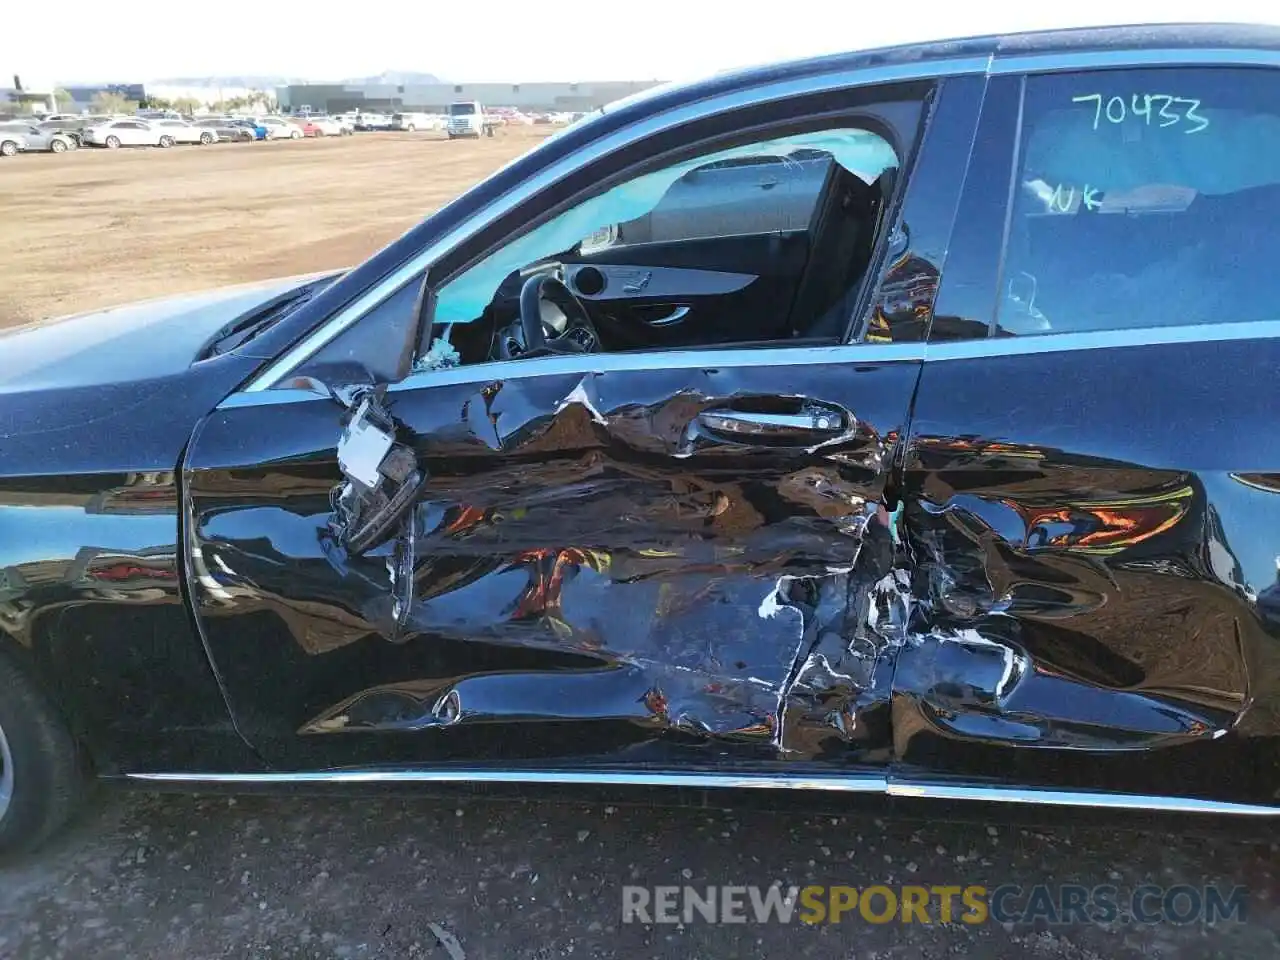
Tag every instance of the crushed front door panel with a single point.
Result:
(1092, 568)
(680, 565)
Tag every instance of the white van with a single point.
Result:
(467, 119)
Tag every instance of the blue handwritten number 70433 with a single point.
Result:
(1117, 110)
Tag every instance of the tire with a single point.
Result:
(206, 139)
(295, 135)
(410, 128)
(43, 779)
(112, 142)
(8, 148)
(166, 142)
(57, 146)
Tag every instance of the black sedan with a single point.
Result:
(899, 423)
(226, 128)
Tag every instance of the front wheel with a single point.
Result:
(206, 138)
(296, 135)
(58, 146)
(112, 142)
(8, 148)
(41, 777)
(166, 141)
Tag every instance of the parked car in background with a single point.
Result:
(373, 121)
(183, 131)
(127, 133)
(74, 124)
(253, 125)
(12, 142)
(413, 121)
(348, 120)
(227, 129)
(328, 126)
(308, 127)
(278, 128)
(40, 138)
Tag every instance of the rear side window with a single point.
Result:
(1144, 198)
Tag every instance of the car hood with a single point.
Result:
(154, 338)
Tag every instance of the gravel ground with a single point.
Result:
(185, 877)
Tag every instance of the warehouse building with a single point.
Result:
(436, 97)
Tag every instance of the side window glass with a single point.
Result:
(762, 243)
(1144, 198)
(772, 242)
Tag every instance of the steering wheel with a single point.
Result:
(544, 294)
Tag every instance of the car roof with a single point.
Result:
(1068, 41)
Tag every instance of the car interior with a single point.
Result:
(761, 244)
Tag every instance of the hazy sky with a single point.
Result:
(571, 40)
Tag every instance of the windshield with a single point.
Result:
(462, 109)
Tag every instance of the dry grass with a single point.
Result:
(92, 228)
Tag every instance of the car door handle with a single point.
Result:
(808, 425)
(675, 316)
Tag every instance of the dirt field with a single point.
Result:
(93, 227)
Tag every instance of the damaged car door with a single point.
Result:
(1091, 477)
(579, 552)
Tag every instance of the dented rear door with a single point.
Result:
(1092, 503)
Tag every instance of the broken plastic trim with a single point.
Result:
(382, 477)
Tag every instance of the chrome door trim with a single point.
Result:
(834, 783)
(7, 775)
(837, 783)
(1060, 61)
(584, 364)
(1101, 340)
(924, 790)
(618, 140)
(852, 353)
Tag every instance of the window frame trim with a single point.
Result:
(491, 371)
(611, 145)
(994, 65)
